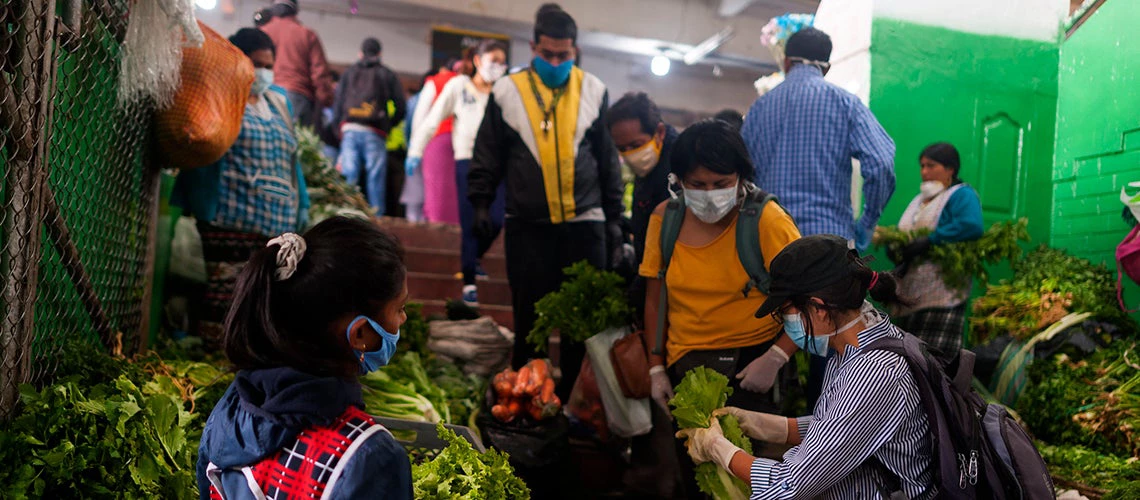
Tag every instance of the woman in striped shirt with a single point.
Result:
(868, 436)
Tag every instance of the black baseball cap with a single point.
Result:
(807, 265)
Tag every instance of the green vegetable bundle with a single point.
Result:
(701, 392)
(329, 194)
(1090, 473)
(460, 472)
(465, 393)
(414, 332)
(384, 396)
(1047, 285)
(961, 262)
(589, 301)
(1093, 403)
(108, 428)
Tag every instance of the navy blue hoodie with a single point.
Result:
(264, 410)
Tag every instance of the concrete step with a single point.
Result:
(501, 314)
(429, 234)
(439, 286)
(443, 261)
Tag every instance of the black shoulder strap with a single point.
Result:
(748, 240)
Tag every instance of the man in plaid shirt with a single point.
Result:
(802, 136)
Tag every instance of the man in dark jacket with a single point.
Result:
(544, 133)
(364, 95)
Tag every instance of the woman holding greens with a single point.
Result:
(951, 210)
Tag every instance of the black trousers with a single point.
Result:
(536, 255)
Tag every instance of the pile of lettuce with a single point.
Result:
(460, 472)
(700, 393)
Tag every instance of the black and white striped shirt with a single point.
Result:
(870, 408)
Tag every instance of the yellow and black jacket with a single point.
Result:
(559, 165)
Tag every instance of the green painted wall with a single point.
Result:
(1098, 134)
(992, 97)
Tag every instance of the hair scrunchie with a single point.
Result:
(289, 255)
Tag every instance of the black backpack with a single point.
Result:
(366, 95)
(980, 451)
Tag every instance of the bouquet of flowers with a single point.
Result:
(775, 34)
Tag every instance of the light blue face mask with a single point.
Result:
(374, 360)
(552, 76)
(794, 327)
(262, 79)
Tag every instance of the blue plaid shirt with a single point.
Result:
(802, 136)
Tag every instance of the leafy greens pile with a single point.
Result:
(329, 194)
(109, 427)
(964, 261)
(701, 392)
(411, 388)
(1047, 285)
(1091, 473)
(460, 472)
(589, 301)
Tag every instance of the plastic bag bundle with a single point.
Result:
(152, 49)
(626, 417)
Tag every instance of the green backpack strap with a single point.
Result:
(670, 229)
(748, 240)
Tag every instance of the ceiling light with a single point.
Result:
(660, 65)
(207, 4)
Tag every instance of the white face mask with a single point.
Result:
(931, 189)
(489, 70)
(642, 160)
(712, 206)
(262, 79)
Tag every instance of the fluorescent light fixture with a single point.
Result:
(703, 49)
(660, 65)
(207, 4)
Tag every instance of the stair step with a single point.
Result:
(501, 314)
(430, 235)
(443, 261)
(439, 286)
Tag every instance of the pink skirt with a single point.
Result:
(441, 199)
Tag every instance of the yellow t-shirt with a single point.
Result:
(707, 308)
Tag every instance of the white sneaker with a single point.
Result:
(470, 296)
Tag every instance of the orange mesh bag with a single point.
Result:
(205, 118)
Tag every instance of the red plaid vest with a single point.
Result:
(311, 466)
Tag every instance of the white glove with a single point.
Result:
(709, 445)
(762, 426)
(761, 373)
(660, 388)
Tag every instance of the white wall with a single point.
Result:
(848, 23)
(407, 49)
(1026, 19)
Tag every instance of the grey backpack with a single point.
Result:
(980, 451)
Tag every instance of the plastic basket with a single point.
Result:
(422, 441)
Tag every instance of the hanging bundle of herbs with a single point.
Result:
(961, 262)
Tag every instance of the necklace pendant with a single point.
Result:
(545, 125)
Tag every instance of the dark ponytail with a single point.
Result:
(350, 267)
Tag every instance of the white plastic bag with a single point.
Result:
(186, 259)
(625, 417)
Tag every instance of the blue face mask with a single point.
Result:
(373, 360)
(552, 76)
(794, 327)
(262, 79)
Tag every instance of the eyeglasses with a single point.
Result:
(778, 314)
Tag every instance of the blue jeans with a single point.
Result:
(370, 151)
(472, 251)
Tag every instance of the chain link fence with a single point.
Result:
(77, 199)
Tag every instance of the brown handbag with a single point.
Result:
(631, 365)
